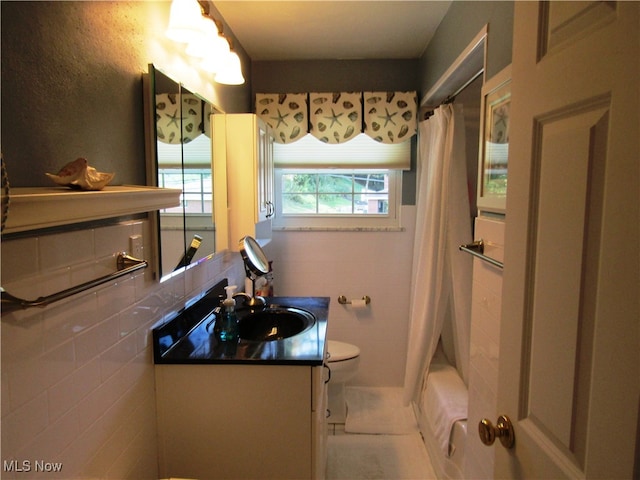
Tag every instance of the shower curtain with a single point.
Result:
(441, 277)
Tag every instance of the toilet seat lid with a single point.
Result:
(339, 351)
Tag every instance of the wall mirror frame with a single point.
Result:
(493, 159)
(179, 154)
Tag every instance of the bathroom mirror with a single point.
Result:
(179, 155)
(255, 262)
(254, 257)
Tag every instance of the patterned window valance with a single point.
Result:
(285, 113)
(387, 117)
(169, 117)
(335, 117)
(390, 117)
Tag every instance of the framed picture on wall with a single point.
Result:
(494, 148)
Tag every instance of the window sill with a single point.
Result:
(339, 229)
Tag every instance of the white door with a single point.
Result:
(569, 352)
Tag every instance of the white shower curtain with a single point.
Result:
(441, 277)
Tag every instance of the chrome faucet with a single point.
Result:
(250, 301)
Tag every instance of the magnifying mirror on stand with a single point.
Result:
(256, 265)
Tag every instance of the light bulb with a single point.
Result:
(184, 20)
(216, 51)
(231, 71)
(199, 44)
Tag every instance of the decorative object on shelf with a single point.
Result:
(5, 194)
(285, 113)
(190, 23)
(80, 176)
(390, 117)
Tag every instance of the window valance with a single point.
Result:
(285, 113)
(338, 117)
(170, 115)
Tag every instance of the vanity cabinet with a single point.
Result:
(246, 144)
(242, 421)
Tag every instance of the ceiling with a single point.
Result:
(330, 30)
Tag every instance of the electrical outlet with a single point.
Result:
(135, 246)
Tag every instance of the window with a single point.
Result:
(197, 191)
(319, 185)
(335, 193)
(330, 198)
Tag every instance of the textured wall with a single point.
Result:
(72, 85)
(334, 75)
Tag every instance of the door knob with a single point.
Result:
(503, 430)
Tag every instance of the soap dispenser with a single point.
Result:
(227, 330)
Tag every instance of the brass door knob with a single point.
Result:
(503, 430)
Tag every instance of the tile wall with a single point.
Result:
(355, 263)
(485, 347)
(78, 389)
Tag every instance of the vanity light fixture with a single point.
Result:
(210, 43)
(230, 71)
(184, 21)
(190, 23)
(216, 48)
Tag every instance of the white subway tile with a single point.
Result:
(117, 296)
(51, 442)
(22, 338)
(65, 249)
(23, 425)
(92, 342)
(19, 259)
(96, 405)
(112, 239)
(64, 395)
(117, 356)
(66, 319)
(31, 377)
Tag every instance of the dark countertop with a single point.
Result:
(188, 338)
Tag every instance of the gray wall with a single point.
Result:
(72, 85)
(460, 25)
(334, 75)
(71, 79)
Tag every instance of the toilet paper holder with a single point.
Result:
(342, 300)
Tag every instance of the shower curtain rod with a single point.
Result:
(426, 113)
(453, 96)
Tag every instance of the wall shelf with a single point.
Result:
(32, 208)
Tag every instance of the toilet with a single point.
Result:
(343, 360)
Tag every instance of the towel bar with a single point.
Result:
(477, 250)
(124, 262)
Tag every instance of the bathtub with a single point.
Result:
(442, 417)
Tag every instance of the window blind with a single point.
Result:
(361, 152)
